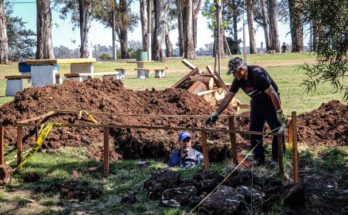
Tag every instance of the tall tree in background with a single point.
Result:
(44, 47)
(161, 11)
(296, 27)
(85, 8)
(188, 30)
(143, 20)
(197, 6)
(265, 21)
(180, 14)
(331, 26)
(3, 35)
(252, 32)
(273, 26)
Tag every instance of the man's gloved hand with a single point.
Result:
(212, 119)
(281, 117)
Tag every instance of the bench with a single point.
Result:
(14, 83)
(144, 73)
(43, 70)
(84, 76)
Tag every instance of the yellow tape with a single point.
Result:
(89, 116)
(43, 133)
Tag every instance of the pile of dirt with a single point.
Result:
(109, 96)
(241, 189)
(327, 125)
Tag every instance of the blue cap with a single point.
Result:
(184, 135)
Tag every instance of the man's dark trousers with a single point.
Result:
(259, 114)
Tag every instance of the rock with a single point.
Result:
(180, 194)
(225, 200)
(171, 203)
(251, 194)
(5, 174)
(161, 180)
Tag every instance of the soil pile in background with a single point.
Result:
(109, 96)
(326, 125)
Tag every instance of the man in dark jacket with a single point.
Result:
(265, 103)
(185, 156)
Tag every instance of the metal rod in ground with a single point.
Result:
(205, 149)
(2, 145)
(106, 150)
(233, 139)
(294, 147)
(280, 154)
(19, 144)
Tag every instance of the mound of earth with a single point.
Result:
(110, 96)
(326, 125)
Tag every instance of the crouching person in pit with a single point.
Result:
(185, 156)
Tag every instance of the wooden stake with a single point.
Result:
(233, 139)
(290, 134)
(294, 147)
(106, 150)
(205, 149)
(280, 155)
(2, 145)
(19, 144)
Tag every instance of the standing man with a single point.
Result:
(265, 103)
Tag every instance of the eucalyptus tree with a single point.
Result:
(44, 47)
(273, 25)
(252, 31)
(3, 35)
(121, 16)
(296, 27)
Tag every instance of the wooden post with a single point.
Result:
(19, 144)
(280, 155)
(106, 150)
(294, 146)
(233, 139)
(36, 132)
(290, 134)
(205, 149)
(2, 145)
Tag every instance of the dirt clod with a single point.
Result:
(31, 177)
(5, 174)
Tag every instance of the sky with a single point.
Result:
(62, 33)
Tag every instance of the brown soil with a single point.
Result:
(5, 174)
(327, 125)
(108, 96)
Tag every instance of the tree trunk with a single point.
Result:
(144, 21)
(161, 8)
(181, 41)
(124, 42)
(194, 22)
(85, 26)
(44, 47)
(169, 45)
(235, 22)
(3, 35)
(188, 32)
(113, 29)
(273, 26)
(265, 24)
(295, 27)
(252, 32)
